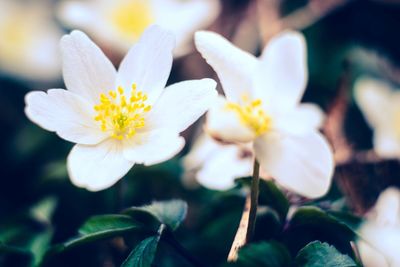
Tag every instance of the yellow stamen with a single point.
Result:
(132, 17)
(119, 116)
(252, 114)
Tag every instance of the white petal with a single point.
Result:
(225, 124)
(300, 120)
(281, 76)
(148, 63)
(387, 207)
(371, 257)
(223, 167)
(200, 152)
(181, 104)
(86, 69)
(92, 17)
(384, 240)
(303, 164)
(183, 18)
(215, 165)
(97, 167)
(76, 14)
(234, 66)
(66, 113)
(153, 147)
(374, 99)
(386, 142)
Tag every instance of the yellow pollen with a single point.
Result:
(132, 17)
(120, 117)
(251, 114)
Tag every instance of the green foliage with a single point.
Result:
(100, 227)
(270, 195)
(264, 254)
(135, 221)
(170, 213)
(351, 221)
(30, 234)
(317, 254)
(143, 254)
(311, 223)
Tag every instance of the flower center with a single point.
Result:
(132, 17)
(251, 114)
(121, 116)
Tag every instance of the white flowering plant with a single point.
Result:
(197, 133)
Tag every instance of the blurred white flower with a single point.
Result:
(262, 107)
(380, 104)
(380, 234)
(119, 23)
(29, 41)
(119, 118)
(216, 165)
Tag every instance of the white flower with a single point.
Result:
(29, 41)
(379, 245)
(119, 118)
(380, 105)
(119, 23)
(216, 165)
(262, 106)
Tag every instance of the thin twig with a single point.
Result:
(254, 201)
(247, 223)
(241, 233)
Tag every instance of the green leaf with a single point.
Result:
(170, 213)
(39, 245)
(99, 227)
(6, 249)
(143, 254)
(345, 222)
(273, 197)
(264, 254)
(311, 223)
(270, 195)
(351, 221)
(31, 232)
(317, 254)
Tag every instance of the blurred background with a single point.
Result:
(346, 39)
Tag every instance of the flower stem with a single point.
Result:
(247, 223)
(253, 201)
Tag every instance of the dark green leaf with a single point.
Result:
(143, 254)
(316, 216)
(273, 197)
(264, 254)
(99, 227)
(170, 213)
(351, 221)
(39, 245)
(311, 223)
(30, 232)
(270, 195)
(317, 254)
(5, 249)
